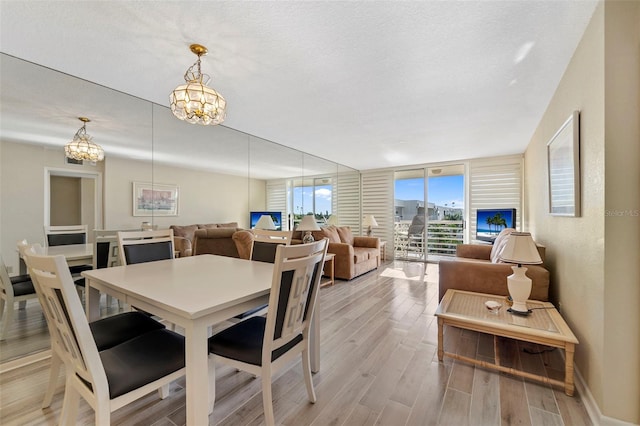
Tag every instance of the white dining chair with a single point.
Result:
(262, 346)
(145, 246)
(18, 289)
(110, 378)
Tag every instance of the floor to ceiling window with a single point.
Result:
(445, 214)
(434, 227)
(312, 196)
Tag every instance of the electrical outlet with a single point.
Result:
(9, 269)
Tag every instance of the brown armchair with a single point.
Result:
(477, 268)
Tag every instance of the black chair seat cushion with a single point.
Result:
(243, 342)
(111, 331)
(142, 360)
(79, 268)
(23, 288)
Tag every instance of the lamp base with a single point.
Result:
(308, 238)
(519, 286)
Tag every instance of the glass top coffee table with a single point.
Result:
(544, 326)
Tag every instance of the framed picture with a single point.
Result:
(563, 160)
(155, 199)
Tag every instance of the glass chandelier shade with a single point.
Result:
(82, 147)
(194, 101)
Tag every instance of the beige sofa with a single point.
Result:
(354, 255)
(184, 235)
(231, 242)
(476, 267)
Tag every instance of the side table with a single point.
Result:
(329, 270)
(544, 326)
(383, 250)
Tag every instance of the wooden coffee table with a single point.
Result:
(545, 326)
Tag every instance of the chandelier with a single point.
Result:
(194, 102)
(82, 147)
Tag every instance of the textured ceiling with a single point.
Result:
(365, 84)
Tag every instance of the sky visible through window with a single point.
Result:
(443, 190)
(303, 199)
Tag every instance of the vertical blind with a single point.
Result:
(377, 200)
(495, 184)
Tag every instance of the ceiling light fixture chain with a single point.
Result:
(195, 102)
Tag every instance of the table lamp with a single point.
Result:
(520, 249)
(265, 222)
(333, 220)
(369, 221)
(308, 224)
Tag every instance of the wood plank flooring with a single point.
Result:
(379, 367)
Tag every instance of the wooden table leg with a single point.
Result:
(440, 347)
(568, 369)
(496, 352)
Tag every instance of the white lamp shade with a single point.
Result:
(308, 223)
(265, 222)
(521, 249)
(369, 220)
(333, 220)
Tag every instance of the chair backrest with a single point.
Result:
(294, 290)
(65, 235)
(145, 246)
(5, 284)
(66, 319)
(105, 249)
(417, 223)
(266, 242)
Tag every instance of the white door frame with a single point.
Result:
(97, 182)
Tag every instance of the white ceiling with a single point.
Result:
(365, 84)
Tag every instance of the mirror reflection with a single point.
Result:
(219, 174)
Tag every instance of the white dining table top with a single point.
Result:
(71, 251)
(192, 286)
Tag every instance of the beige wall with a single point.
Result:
(204, 197)
(587, 255)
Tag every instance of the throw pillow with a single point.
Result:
(184, 231)
(499, 244)
(228, 225)
(331, 232)
(346, 236)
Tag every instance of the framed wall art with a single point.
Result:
(563, 161)
(155, 199)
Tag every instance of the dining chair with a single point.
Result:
(145, 246)
(64, 235)
(13, 289)
(107, 332)
(265, 243)
(262, 346)
(108, 378)
(105, 252)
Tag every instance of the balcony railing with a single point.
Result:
(442, 238)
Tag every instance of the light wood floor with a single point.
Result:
(379, 366)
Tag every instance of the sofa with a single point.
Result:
(231, 242)
(477, 268)
(354, 255)
(183, 235)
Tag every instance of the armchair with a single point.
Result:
(477, 268)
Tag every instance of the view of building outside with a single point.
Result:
(314, 200)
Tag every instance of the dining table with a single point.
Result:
(75, 254)
(194, 293)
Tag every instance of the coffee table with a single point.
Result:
(545, 326)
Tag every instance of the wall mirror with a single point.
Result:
(222, 173)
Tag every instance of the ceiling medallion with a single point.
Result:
(82, 147)
(194, 101)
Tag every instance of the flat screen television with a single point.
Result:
(275, 216)
(489, 222)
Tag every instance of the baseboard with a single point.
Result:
(24, 361)
(596, 416)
